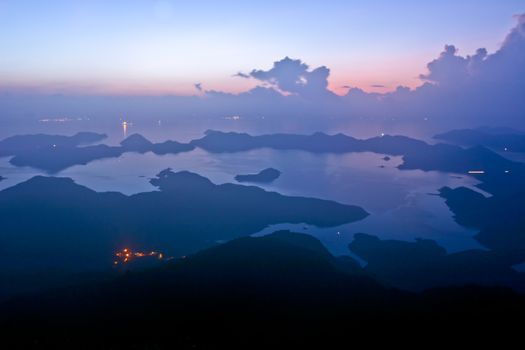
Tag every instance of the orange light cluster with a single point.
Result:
(126, 255)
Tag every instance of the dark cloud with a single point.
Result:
(377, 86)
(241, 75)
(198, 86)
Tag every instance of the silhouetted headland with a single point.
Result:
(138, 143)
(423, 264)
(264, 176)
(500, 218)
(33, 143)
(416, 154)
(53, 157)
(53, 153)
(500, 139)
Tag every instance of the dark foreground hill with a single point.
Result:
(53, 225)
(280, 290)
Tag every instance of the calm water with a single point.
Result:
(402, 203)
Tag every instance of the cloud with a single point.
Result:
(476, 89)
(293, 76)
(500, 68)
(241, 75)
(508, 63)
(448, 68)
(482, 86)
(377, 86)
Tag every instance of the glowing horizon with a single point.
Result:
(166, 47)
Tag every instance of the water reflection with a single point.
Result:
(125, 129)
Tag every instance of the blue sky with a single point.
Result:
(140, 46)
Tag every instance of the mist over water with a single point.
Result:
(184, 129)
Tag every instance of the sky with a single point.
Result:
(167, 46)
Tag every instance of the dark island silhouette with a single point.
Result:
(500, 218)
(51, 223)
(138, 143)
(33, 143)
(53, 153)
(416, 154)
(264, 176)
(54, 157)
(284, 288)
(423, 264)
(500, 139)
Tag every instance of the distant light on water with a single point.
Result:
(233, 117)
(125, 126)
(55, 120)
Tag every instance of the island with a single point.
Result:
(75, 229)
(19, 144)
(498, 214)
(138, 143)
(54, 153)
(423, 264)
(500, 218)
(416, 154)
(499, 139)
(264, 176)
